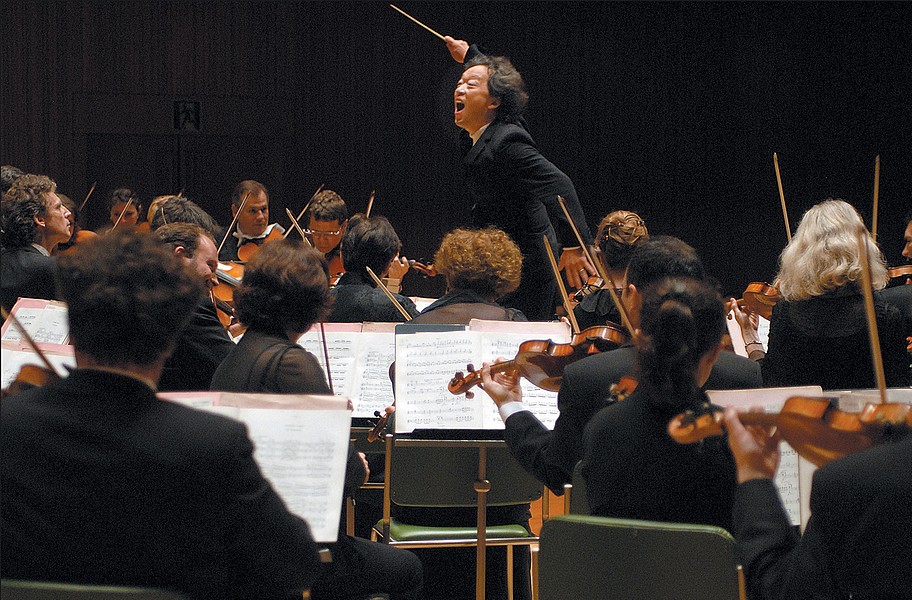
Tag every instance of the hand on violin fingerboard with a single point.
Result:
(398, 268)
(501, 387)
(755, 448)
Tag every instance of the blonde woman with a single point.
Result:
(818, 331)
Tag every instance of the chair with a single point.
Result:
(576, 502)
(598, 558)
(13, 589)
(359, 437)
(451, 474)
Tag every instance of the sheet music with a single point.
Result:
(13, 360)
(793, 479)
(46, 321)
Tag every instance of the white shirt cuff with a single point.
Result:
(511, 408)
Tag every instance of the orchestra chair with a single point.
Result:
(12, 589)
(598, 558)
(455, 474)
(359, 439)
(576, 502)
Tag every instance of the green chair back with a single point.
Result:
(40, 590)
(599, 558)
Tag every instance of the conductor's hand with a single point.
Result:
(755, 448)
(501, 387)
(575, 267)
(457, 48)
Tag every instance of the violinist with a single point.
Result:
(509, 184)
(204, 343)
(324, 223)
(900, 295)
(586, 385)
(124, 209)
(856, 543)
(180, 209)
(33, 220)
(134, 490)
(818, 331)
(253, 225)
(480, 266)
(632, 468)
(618, 234)
(78, 235)
(368, 242)
(284, 292)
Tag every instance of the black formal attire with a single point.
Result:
(458, 307)
(856, 543)
(200, 349)
(824, 341)
(596, 309)
(270, 363)
(229, 251)
(450, 572)
(26, 273)
(551, 455)
(514, 188)
(103, 483)
(634, 470)
(357, 301)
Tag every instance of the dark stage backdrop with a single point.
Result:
(670, 109)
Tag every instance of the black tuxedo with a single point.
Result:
(200, 349)
(514, 188)
(103, 483)
(856, 544)
(357, 301)
(551, 455)
(26, 273)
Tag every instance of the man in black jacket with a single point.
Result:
(551, 455)
(103, 483)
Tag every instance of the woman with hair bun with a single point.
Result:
(818, 331)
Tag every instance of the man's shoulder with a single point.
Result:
(734, 372)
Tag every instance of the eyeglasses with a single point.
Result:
(322, 233)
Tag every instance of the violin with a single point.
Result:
(80, 237)
(760, 298)
(901, 271)
(542, 361)
(592, 285)
(247, 249)
(28, 377)
(229, 276)
(426, 270)
(814, 427)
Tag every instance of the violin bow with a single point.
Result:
(876, 196)
(329, 376)
(294, 222)
(88, 195)
(560, 285)
(408, 16)
(788, 228)
(306, 206)
(122, 213)
(603, 272)
(866, 291)
(233, 222)
(29, 341)
(370, 201)
(389, 294)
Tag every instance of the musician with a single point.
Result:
(77, 235)
(126, 202)
(33, 221)
(900, 295)
(204, 343)
(284, 292)
(818, 331)
(368, 242)
(325, 222)
(585, 388)
(856, 543)
(104, 483)
(618, 234)
(480, 266)
(511, 185)
(253, 225)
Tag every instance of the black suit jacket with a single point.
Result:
(200, 349)
(26, 273)
(856, 544)
(103, 483)
(357, 301)
(551, 455)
